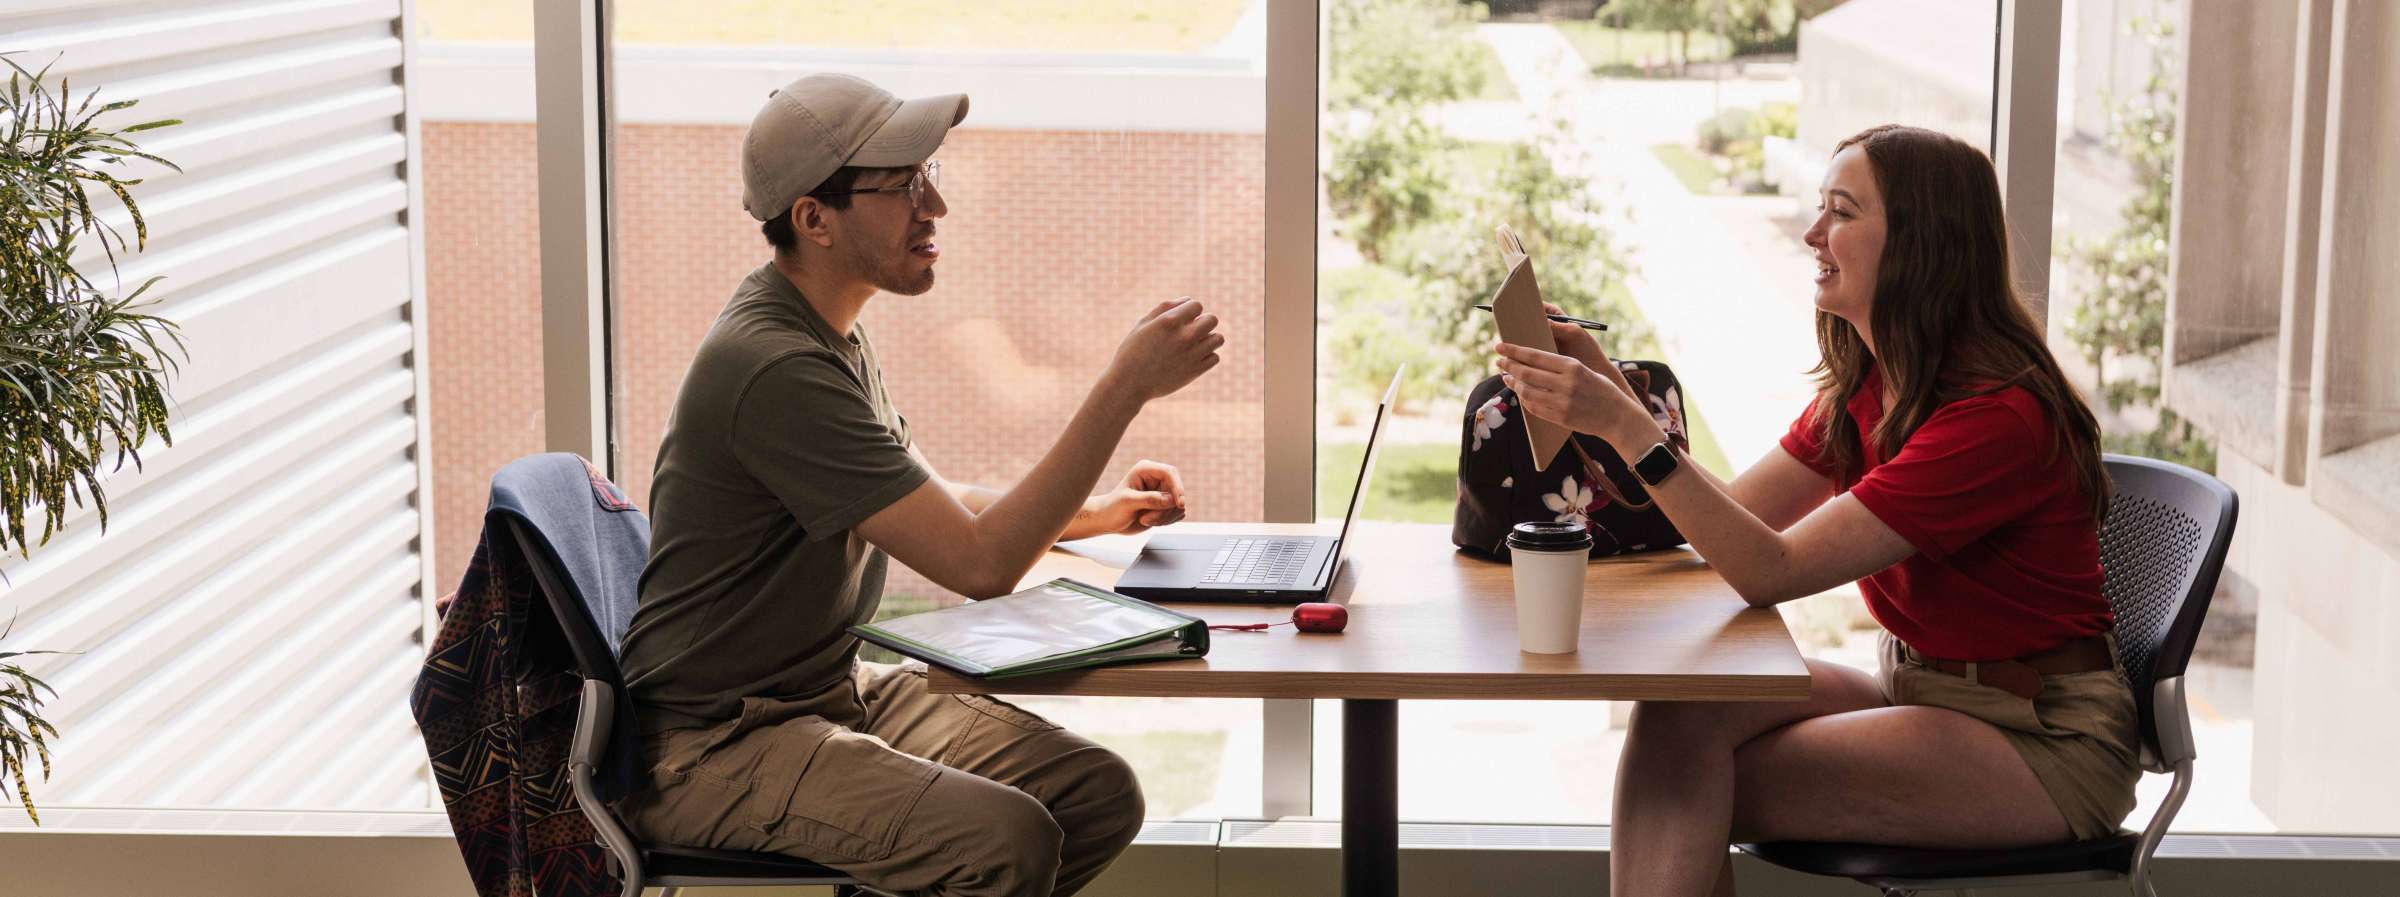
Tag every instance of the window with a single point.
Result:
(482, 258)
(1112, 157)
(2213, 287)
(346, 404)
(1664, 167)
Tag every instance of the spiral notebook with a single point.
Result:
(1062, 624)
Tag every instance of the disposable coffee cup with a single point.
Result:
(1547, 561)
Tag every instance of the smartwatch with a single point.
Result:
(1656, 465)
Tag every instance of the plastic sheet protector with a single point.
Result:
(1061, 624)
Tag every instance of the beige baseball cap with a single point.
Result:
(812, 127)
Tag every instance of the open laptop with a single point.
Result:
(1254, 568)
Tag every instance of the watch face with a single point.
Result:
(1655, 464)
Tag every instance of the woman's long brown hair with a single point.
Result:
(1947, 319)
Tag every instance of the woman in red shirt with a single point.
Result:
(1947, 467)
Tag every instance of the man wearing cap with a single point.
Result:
(784, 481)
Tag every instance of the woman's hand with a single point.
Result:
(1567, 391)
(1575, 342)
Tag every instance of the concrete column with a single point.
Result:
(2358, 270)
(2231, 171)
(2295, 351)
(2225, 256)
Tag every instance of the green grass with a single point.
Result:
(1178, 769)
(1173, 26)
(1415, 483)
(1697, 173)
(1418, 483)
(1618, 52)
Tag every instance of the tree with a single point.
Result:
(1677, 17)
(1386, 77)
(1420, 204)
(1759, 26)
(1454, 261)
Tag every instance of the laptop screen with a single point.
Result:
(1366, 468)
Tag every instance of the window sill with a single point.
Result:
(1197, 858)
(2231, 395)
(2361, 488)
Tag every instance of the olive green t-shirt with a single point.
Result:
(781, 441)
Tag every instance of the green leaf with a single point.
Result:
(80, 368)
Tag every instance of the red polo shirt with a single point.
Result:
(2008, 555)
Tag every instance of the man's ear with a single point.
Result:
(810, 221)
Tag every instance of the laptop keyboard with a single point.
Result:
(1258, 560)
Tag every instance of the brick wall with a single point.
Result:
(483, 292)
(1055, 242)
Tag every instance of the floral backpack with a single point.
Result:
(1498, 487)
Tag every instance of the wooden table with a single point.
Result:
(1430, 622)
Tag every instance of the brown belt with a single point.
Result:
(2023, 676)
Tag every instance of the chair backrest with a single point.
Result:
(585, 545)
(2161, 548)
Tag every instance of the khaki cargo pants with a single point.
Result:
(909, 791)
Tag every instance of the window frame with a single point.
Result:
(571, 52)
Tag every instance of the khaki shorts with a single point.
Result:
(2079, 736)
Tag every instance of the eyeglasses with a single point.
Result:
(927, 179)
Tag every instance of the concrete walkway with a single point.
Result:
(1727, 288)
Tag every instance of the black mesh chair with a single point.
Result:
(2161, 548)
(601, 758)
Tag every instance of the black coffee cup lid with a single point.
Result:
(1549, 536)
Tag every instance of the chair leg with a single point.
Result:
(670, 892)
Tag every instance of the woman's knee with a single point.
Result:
(1679, 724)
(1765, 794)
(1832, 688)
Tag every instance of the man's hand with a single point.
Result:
(1152, 495)
(987, 553)
(1169, 348)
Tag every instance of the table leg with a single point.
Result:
(1370, 798)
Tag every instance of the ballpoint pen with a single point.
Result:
(1565, 319)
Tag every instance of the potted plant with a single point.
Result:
(21, 726)
(82, 368)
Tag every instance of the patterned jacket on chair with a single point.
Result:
(496, 701)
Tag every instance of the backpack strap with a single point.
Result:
(1600, 478)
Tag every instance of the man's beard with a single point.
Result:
(896, 275)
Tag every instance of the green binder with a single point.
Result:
(1058, 625)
